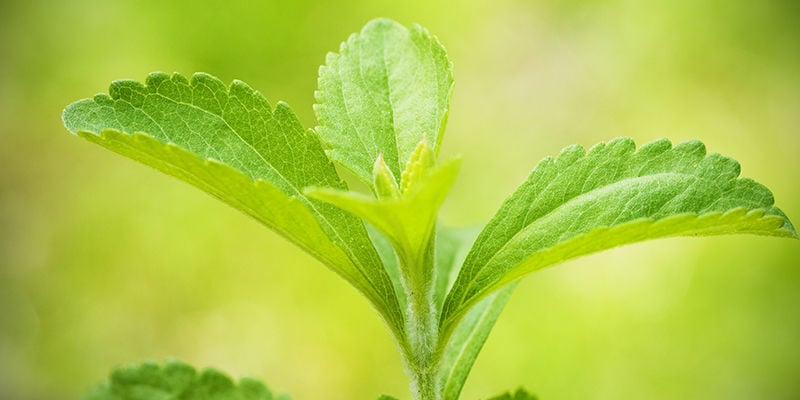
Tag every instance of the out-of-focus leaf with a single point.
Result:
(520, 394)
(176, 380)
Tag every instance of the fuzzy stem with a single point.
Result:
(420, 356)
(423, 337)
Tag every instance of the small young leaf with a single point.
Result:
(229, 142)
(419, 165)
(582, 202)
(520, 394)
(408, 222)
(176, 380)
(384, 182)
(386, 90)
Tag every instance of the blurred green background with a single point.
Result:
(105, 262)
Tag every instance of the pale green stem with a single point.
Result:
(422, 331)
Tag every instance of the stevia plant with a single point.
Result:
(382, 104)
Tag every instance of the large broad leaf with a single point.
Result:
(229, 142)
(176, 380)
(582, 202)
(386, 90)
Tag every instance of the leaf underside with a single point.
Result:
(229, 142)
(387, 89)
(583, 202)
(177, 380)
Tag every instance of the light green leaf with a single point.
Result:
(408, 222)
(520, 394)
(390, 262)
(409, 225)
(176, 380)
(461, 347)
(229, 142)
(580, 203)
(452, 245)
(467, 339)
(386, 90)
(384, 183)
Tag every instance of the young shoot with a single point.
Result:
(382, 105)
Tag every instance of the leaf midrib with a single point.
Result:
(391, 104)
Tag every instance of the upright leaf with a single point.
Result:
(584, 202)
(232, 144)
(386, 90)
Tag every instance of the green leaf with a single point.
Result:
(386, 90)
(390, 262)
(229, 142)
(520, 394)
(467, 339)
(461, 348)
(452, 245)
(408, 221)
(176, 380)
(582, 202)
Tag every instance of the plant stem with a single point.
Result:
(423, 337)
(421, 356)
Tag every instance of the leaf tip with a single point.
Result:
(692, 146)
(74, 115)
(787, 225)
(381, 23)
(155, 78)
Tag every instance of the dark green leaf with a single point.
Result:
(520, 394)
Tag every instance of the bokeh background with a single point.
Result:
(105, 262)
